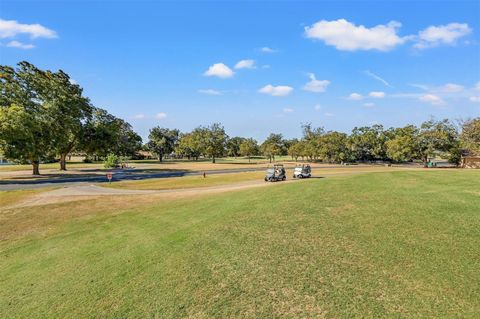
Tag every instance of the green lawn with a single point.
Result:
(399, 244)
(188, 181)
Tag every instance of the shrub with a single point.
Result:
(111, 161)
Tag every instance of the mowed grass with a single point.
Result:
(188, 181)
(399, 244)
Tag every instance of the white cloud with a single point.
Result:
(378, 78)
(329, 114)
(139, 116)
(316, 85)
(443, 34)
(377, 95)
(477, 86)
(19, 45)
(11, 28)
(220, 70)
(432, 99)
(266, 66)
(210, 92)
(268, 50)
(355, 97)
(72, 81)
(281, 90)
(288, 110)
(369, 104)
(245, 64)
(160, 116)
(346, 36)
(475, 99)
(450, 88)
(318, 107)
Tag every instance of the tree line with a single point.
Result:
(44, 116)
(433, 138)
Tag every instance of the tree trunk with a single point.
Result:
(213, 159)
(270, 157)
(63, 162)
(249, 159)
(160, 157)
(36, 168)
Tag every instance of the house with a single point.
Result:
(470, 161)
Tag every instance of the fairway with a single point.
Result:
(398, 244)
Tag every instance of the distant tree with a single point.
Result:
(191, 144)
(215, 140)
(296, 150)
(104, 133)
(368, 143)
(470, 136)
(129, 143)
(437, 138)
(233, 146)
(162, 141)
(249, 147)
(334, 147)
(402, 145)
(272, 146)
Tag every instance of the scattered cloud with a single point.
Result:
(266, 66)
(346, 36)
(160, 116)
(329, 114)
(209, 92)
(268, 50)
(378, 78)
(11, 28)
(355, 97)
(288, 110)
(316, 85)
(450, 88)
(220, 70)
(245, 64)
(139, 116)
(434, 36)
(369, 104)
(477, 86)
(475, 99)
(318, 107)
(281, 90)
(377, 95)
(72, 81)
(19, 45)
(432, 99)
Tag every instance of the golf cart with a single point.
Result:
(304, 171)
(275, 174)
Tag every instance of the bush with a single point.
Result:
(111, 161)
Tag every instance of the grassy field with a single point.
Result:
(188, 181)
(398, 244)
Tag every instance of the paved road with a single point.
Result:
(129, 175)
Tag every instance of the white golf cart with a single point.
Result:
(303, 171)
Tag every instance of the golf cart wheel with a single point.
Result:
(300, 176)
(294, 176)
(266, 180)
(284, 178)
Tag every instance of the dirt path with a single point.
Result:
(75, 193)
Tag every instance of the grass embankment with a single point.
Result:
(400, 244)
(188, 181)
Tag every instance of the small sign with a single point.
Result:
(109, 177)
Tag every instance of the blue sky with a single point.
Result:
(148, 62)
